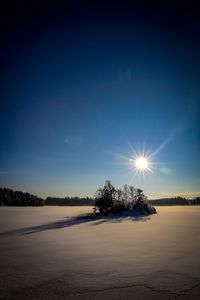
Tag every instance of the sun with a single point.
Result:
(141, 163)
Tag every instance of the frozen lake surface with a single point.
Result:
(53, 253)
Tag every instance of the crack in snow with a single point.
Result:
(153, 289)
(191, 288)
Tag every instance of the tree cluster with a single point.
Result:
(111, 200)
(9, 197)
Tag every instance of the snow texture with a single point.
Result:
(65, 253)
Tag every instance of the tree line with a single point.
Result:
(69, 201)
(9, 197)
(175, 201)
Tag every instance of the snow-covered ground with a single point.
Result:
(51, 253)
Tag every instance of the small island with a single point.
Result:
(110, 200)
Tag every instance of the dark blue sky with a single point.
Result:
(80, 85)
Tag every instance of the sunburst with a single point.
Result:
(141, 163)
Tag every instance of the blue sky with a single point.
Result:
(80, 92)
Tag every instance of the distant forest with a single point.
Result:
(175, 201)
(69, 201)
(9, 197)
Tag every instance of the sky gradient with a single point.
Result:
(84, 86)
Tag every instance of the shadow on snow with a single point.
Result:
(94, 220)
